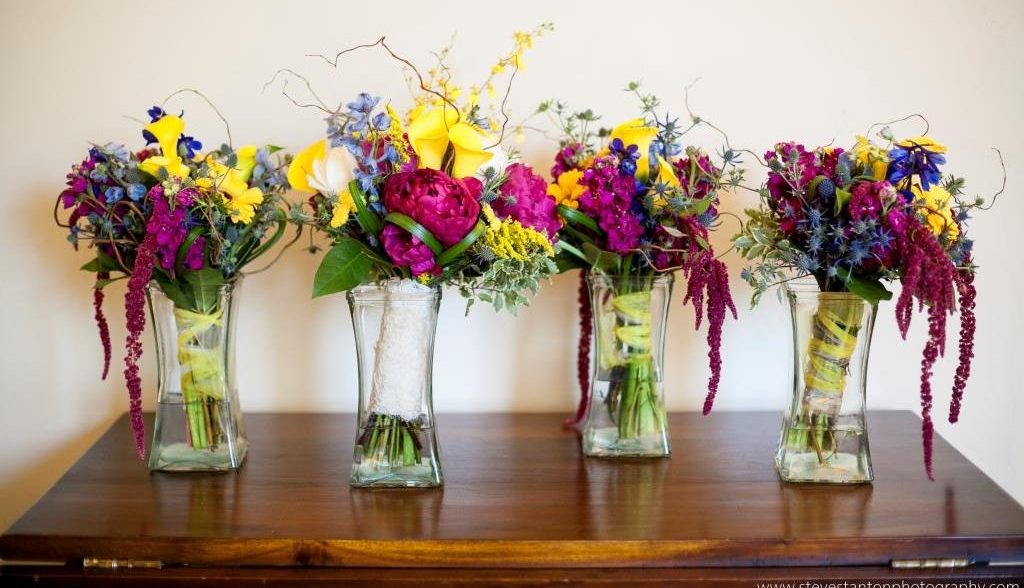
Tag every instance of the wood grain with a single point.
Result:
(518, 494)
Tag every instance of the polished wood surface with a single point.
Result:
(518, 494)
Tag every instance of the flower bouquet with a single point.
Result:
(637, 206)
(412, 202)
(179, 226)
(851, 221)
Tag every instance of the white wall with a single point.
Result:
(806, 70)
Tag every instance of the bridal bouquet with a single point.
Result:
(637, 206)
(855, 220)
(183, 223)
(412, 200)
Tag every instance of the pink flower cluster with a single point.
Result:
(524, 197)
(609, 200)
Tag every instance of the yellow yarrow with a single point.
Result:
(511, 240)
(342, 209)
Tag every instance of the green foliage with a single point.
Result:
(506, 281)
(344, 267)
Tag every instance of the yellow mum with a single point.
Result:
(937, 205)
(509, 239)
(242, 206)
(567, 190)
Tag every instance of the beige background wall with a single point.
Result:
(813, 71)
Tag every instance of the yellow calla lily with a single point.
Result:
(428, 135)
(666, 174)
(246, 161)
(166, 129)
(470, 154)
(432, 131)
(636, 132)
(302, 166)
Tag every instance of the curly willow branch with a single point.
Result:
(504, 110)
(383, 44)
(697, 119)
(320, 105)
(209, 102)
(927, 125)
(1002, 188)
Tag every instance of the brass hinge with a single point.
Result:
(949, 562)
(95, 562)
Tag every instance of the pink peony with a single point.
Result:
(406, 250)
(445, 206)
(524, 197)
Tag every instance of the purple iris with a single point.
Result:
(916, 159)
(628, 156)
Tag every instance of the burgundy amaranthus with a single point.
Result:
(968, 323)
(583, 354)
(101, 322)
(135, 318)
(707, 276)
(931, 278)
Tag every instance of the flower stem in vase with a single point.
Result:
(829, 351)
(202, 378)
(632, 399)
(395, 445)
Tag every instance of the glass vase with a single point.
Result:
(394, 323)
(198, 426)
(626, 416)
(824, 431)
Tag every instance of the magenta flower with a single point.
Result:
(406, 250)
(525, 199)
(447, 207)
(865, 203)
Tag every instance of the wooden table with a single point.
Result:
(520, 507)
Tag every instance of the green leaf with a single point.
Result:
(418, 230)
(598, 258)
(842, 197)
(179, 293)
(459, 248)
(344, 267)
(206, 284)
(871, 290)
(102, 263)
(367, 219)
(577, 218)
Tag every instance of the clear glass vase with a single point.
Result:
(198, 424)
(824, 431)
(626, 416)
(394, 323)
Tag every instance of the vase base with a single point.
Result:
(179, 457)
(605, 442)
(424, 475)
(838, 468)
